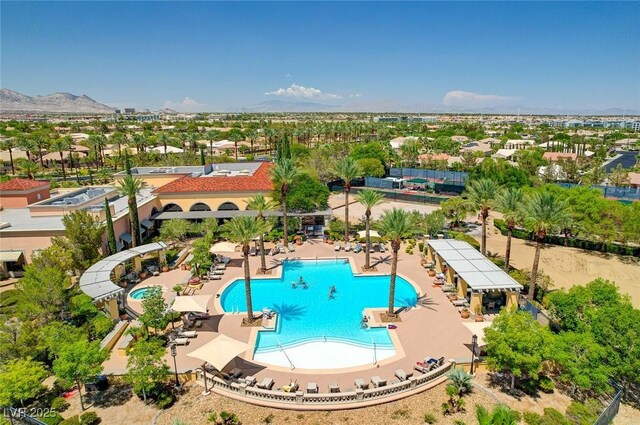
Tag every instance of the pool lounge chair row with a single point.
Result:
(359, 247)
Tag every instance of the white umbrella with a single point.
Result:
(220, 351)
(477, 328)
(187, 303)
(223, 247)
(372, 233)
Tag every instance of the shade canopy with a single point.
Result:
(220, 351)
(223, 247)
(372, 233)
(10, 255)
(197, 303)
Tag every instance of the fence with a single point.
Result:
(623, 193)
(405, 196)
(612, 409)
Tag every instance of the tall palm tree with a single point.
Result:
(243, 230)
(130, 186)
(163, 139)
(395, 225)
(252, 135)
(29, 167)
(369, 198)
(235, 138)
(27, 145)
(61, 145)
(283, 175)
(509, 203)
(347, 170)
(482, 194)
(544, 212)
(10, 144)
(260, 204)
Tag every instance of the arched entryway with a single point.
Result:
(228, 206)
(172, 208)
(199, 206)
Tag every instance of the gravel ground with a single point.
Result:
(193, 409)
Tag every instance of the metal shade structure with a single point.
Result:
(186, 303)
(220, 351)
(223, 247)
(372, 233)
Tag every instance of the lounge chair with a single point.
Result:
(266, 384)
(213, 276)
(220, 267)
(334, 388)
(357, 248)
(423, 367)
(218, 272)
(378, 382)
(291, 247)
(274, 251)
(249, 380)
(402, 375)
(187, 334)
(181, 341)
(338, 247)
(234, 374)
(382, 247)
(347, 247)
(312, 388)
(360, 384)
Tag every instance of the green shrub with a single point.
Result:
(421, 246)
(53, 419)
(102, 325)
(73, 420)
(89, 418)
(268, 419)
(59, 404)
(165, 400)
(465, 238)
(583, 414)
(553, 417)
(401, 414)
(546, 385)
(532, 418)
(430, 418)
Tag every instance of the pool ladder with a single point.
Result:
(285, 354)
(373, 347)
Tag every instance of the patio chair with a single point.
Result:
(187, 334)
(218, 272)
(378, 382)
(220, 267)
(249, 380)
(338, 247)
(360, 384)
(291, 247)
(334, 388)
(402, 375)
(213, 276)
(422, 367)
(382, 247)
(234, 374)
(181, 341)
(274, 251)
(312, 388)
(266, 384)
(357, 248)
(347, 247)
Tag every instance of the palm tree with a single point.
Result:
(482, 194)
(104, 174)
(235, 138)
(27, 145)
(395, 225)
(347, 170)
(163, 139)
(252, 135)
(501, 415)
(61, 145)
(369, 198)
(130, 187)
(260, 204)
(509, 203)
(243, 230)
(544, 212)
(283, 175)
(29, 167)
(9, 144)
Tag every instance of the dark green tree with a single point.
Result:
(111, 236)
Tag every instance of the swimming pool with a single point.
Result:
(138, 294)
(309, 317)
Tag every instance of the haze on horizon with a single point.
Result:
(347, 56)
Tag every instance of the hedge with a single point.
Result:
(466, 238)
(609, 247)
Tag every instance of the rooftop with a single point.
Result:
(22, 185)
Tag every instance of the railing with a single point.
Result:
(300, 398)
(611, 410)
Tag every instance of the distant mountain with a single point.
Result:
(11, 101)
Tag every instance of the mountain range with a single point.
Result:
(12, 101)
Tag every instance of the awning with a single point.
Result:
(147, 224)
(119, 246)
(220, 351)
(197, 303)
(223, 247)
(126, 237)
(10, 256)
(372, 233)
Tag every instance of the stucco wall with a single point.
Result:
(27, 241)
(21, 200)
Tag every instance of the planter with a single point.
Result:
(183, 267)
(188, 267)
(453, 297)
(165, 269)
(299, 242)
(479, 318)
(432, 273)
(143, 275)
(465, 314)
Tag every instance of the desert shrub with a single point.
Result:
(553, 417)
(583, 414)
(532, 418)
(402, 413)
(268, 419)
(59, 404)
(73, 420)
(53, 419)
(430, 418)
(546, 385)
(89, 418)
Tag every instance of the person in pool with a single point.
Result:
(301, 281)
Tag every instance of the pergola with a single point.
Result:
(473, 271)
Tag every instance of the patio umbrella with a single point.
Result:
(372, 233)
(220, 351)
(187, 303)
(477, 328)
(223, 247)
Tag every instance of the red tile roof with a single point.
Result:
(22, 184)
(260, 181)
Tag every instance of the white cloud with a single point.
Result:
(466, 98)
(187, 105)
(296, 90)
(355, 95)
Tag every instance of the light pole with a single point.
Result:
(174, 353)
(474, 344)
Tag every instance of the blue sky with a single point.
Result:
(358, 56)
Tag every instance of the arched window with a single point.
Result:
(199, 206)
(154, 211)
(172, 208)
(228, 206)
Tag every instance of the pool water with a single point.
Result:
(308, 315)
(138, 294)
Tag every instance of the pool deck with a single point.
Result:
(433, 329)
